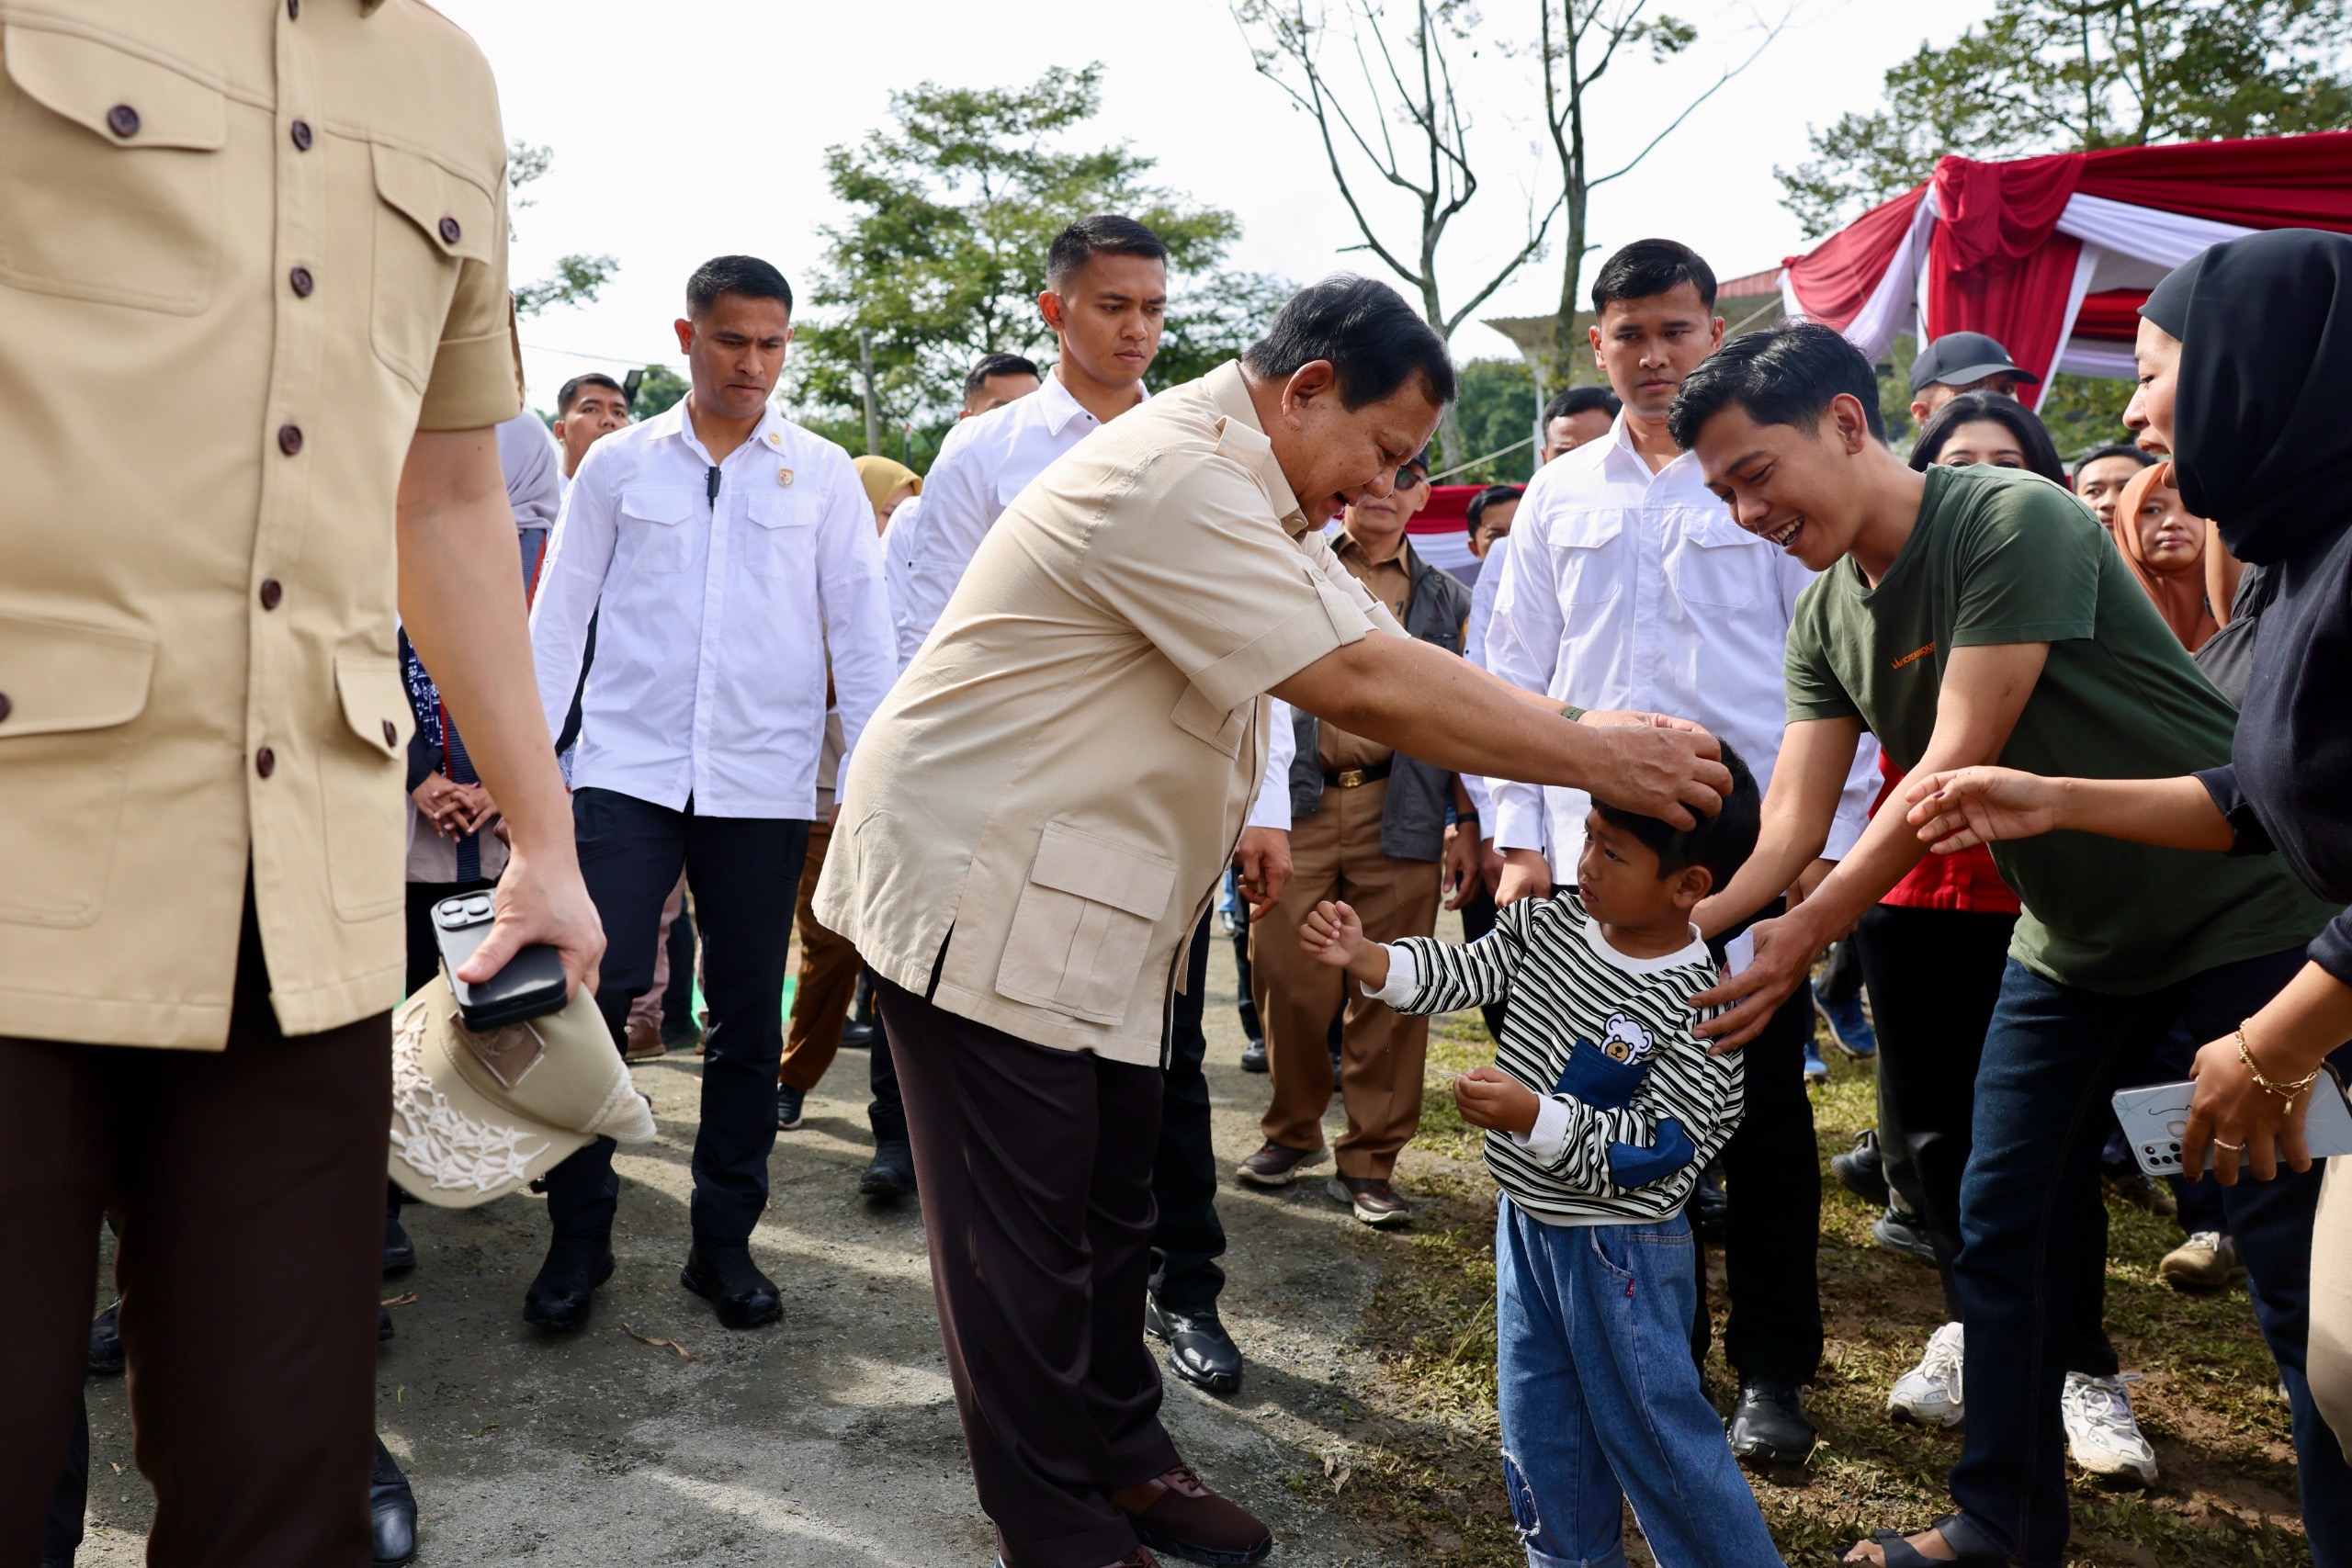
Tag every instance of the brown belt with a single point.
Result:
(1349, 778)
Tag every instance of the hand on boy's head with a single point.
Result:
(1488, 1097)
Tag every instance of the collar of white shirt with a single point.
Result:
(672, 425)
(1052, 405)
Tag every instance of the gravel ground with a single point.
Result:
(830, 1439)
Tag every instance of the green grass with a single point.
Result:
(1425, 1474)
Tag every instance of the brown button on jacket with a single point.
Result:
(1060, 776)
(244, 255)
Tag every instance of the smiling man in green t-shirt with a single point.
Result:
(1973, 615)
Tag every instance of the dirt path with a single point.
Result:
(830, 1439)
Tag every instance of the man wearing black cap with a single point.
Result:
(1962, 362)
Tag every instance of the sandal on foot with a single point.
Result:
(1968, 1544)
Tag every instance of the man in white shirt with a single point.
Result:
(1627, 584)
(1106, 291)
(587, 409)
(997, 379)
(727, 554)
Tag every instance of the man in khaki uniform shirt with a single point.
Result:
(297, 207)
(1035, 818)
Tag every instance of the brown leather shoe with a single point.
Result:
(1138, 1558)
(1176, 1514)
(1275, 1166)
(1375, 1202)
(643, 1043)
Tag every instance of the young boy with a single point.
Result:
(1602, 1109)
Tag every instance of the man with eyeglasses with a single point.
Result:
(1367, 825)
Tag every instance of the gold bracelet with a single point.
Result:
(2288, 1093)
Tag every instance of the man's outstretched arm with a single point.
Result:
(1442, 709)
(461, 600)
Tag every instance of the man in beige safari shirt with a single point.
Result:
(297, 207)
(1036, 817)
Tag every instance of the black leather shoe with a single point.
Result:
(1862, 1170)
(1710, 1207)
(400, 1253)
(1199, 1349)
(891, 1173)
(1769, 1425)
(1253, 1056)
(856, 1036)
(106, 1343)
(723, 1274)
(383, 1324)
(576, 1264)
(392, 1509)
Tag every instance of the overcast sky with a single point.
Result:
(691, 128)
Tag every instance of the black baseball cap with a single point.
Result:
(1962, 357)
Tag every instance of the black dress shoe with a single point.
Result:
(383, 1324)
(857, 1036)
(392, 1509)
(400, 1253)
(723, 1274)
(1769, 1425)
(1862, 1170)
(1253, 1057)
(1199, 1349)
(106, 1343)
(576, 1264)
(891, 1174)
(1710, 1207)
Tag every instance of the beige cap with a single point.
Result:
(476, 1116)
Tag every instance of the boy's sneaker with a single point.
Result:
(1849, 1026)
(1929, 1394)
(2208, 1260)
(2102, 1434)
(1815, 1069)
(1862, 1170)
(788, 1102)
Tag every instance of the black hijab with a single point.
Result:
(2262, 422)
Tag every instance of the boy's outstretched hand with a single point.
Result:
(1491, 1098)
(1334, 934)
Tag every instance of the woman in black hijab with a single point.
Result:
(2246, 374)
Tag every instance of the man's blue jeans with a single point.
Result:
(1600, 1402)
(2052, 1057)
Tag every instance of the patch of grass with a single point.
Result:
(1426, 1474)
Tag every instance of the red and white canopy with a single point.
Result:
(2052, 257)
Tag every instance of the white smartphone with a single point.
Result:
(2156, 1118)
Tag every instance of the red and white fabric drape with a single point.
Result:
(2053, 256)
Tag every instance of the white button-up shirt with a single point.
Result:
(715, 615)
(1624, 589)
(983, 464)
(897, 582)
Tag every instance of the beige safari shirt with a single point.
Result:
(246, 252)
(1059, 777)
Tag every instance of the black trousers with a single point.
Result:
(250, 1185)
(1934, 977)
(1189, 1238)
(1477, 919)
(1036, 1166)
(678, 1000)
(745, 873)
(1772, 1236)
(424, 948)
(1246, 1002)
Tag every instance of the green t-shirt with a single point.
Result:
(2000, 556)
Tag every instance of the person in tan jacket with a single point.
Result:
(1033, 824)
(202, 725)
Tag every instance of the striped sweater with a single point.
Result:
(1634, 1107)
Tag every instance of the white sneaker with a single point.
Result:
(1929, 1394)
(2101, 1431)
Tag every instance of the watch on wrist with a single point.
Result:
(1574, 714)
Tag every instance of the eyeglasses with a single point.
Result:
(1409, 476)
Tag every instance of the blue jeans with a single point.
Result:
(2053, 1055)
(1600, 1400)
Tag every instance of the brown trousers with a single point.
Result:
(646, 1012)
(250, 1188)
(1336, 854)
(1036, 1166)
(825, 985)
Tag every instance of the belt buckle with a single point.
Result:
(1349, 778)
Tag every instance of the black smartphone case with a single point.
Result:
(531, 985)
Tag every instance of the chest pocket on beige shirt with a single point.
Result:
(429, 221)
(1083, 924)
(779, 541)
(110, 174)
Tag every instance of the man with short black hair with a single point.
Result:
(2101, 474)
(996, 380)
(587, 409)
(1624, 584)
(729, 557)
(1575, 416)
(1962, 362)
(1033, 826)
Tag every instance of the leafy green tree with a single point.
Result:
(661, 387)
(1497, 407)
(2065, 75)
(576, 277)
(953, 206)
